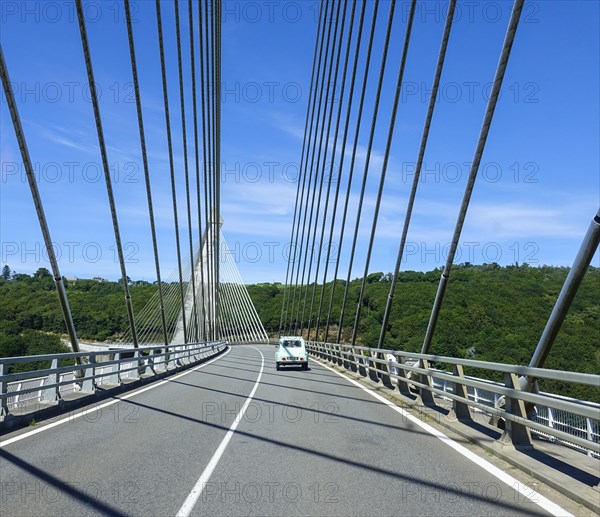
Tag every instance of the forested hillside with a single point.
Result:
(490, 313)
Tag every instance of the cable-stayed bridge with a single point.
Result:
(186, 413)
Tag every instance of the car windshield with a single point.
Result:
(290, 344)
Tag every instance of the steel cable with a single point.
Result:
(105, 165)
(171, 165)
(353, 161)
(386, 157)
(415, 183)
(296, 204)
(485, 128)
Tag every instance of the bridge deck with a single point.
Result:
(309, 443)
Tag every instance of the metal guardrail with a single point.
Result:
(572, 422)
(92, 370)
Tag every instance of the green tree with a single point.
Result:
(6, 275)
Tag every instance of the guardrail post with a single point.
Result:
(402, 379)
(138, 358)
(338, 355)
(114, 377)
(328, 352)
(52, 394)
(167, 357)
(515, 433)
(352, 360)
(461, 409)
(161, 366)
(150, 362)
(360, 359)
(426, 394)
(3, 391)
(88, 385)
(373, 374)
(342, 357)
(385, 372)
(590, 436)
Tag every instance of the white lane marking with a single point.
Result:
(89, 410)
(192, 498)
(521, 488)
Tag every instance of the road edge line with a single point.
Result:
(521, 488)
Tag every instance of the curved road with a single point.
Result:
(309, 443)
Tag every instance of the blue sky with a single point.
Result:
(537, 190)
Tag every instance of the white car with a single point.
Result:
(291, 350)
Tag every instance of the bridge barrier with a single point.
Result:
(92, 370)
(571, 422)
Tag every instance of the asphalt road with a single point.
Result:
(308, 443)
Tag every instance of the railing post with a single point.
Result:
(352, 359)
(114, 377)
(52, 394)
(3, 390)
(151, 362)
(167, 357)
(342, 357)
(402, 379)
(590, 434)
(385, 375)
(88, 385)
(332, 356)
(360, 359)
(373, 375)
(515, 433)
(461, 409)
(426, 394)
(338, 355)
(551, 423)
(141, 363)
(162, 363)
(327, 352)
(360, 365)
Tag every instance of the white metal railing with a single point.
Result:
(92, 369)
(571, 423)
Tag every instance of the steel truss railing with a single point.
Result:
(412, 375)
(107, 368)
